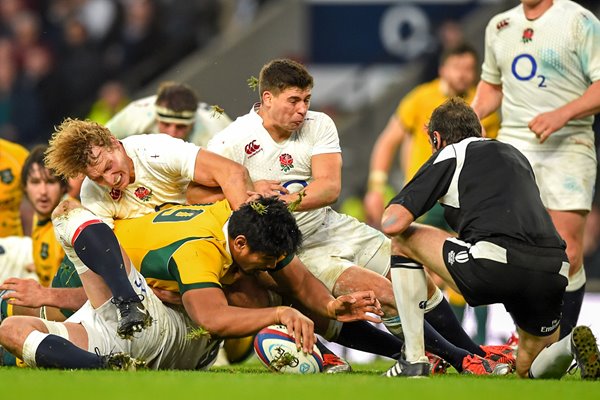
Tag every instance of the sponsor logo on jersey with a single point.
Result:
(527, 35)
(116, 194)
(451, 255)
(44, 251)
(252, 148)
(143, 194)
(286, 161)
(502, 24)
(7, 176)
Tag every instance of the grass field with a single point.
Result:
(251, 381)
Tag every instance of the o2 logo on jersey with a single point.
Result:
(524, 68)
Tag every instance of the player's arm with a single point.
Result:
(297, 281)
(29, 293)
(214, 170)
(326, 185)
(382, 156)
(488, 99)
(547, 123)
(208, 308)
(396, 219)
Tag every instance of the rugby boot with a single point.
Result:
(475, 365)
(504, 354)
(121, 362)
(333, 364)
(438, 364)
(403, 368)
(132, 316)
(585, 351)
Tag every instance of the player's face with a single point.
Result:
(459, 72)
(286, 111)
(179, 131)
(43, 190)
(113, 168)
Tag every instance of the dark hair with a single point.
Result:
(36, 156)
(278, 75)
(176, 97)
(268, 225)
(455, 120)
(458, 50)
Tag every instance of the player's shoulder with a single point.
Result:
(14, 149)
(241, 128)
(144, 102)
(317, 117)
(424, 92)
(503, 19)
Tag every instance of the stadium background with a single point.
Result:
(77, 57)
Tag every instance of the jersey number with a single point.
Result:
(524, 59)
(177, 215)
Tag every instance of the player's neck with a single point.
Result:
(277, 133)
(536, 11)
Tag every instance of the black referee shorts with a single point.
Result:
(529, 281)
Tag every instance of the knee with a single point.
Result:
(64, 207)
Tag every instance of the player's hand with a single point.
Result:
(547, 123)
(24, 292)
(166, 296)
(374, 207)
(269, 188)
(355, 306)
(299, 326)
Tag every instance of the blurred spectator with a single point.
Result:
(448, 35)
(113, 98)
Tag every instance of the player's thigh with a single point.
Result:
(424, 244)
(566, 179)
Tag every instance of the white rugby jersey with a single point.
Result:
(542, 65)
(139, 116)
(164, 166)
(247, 142)
(16, 253)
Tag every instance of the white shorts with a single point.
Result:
(340, 242)
(566, 179)
(163, 345)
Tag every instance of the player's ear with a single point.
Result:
(267, 97)
(436, 140)
(240, 242)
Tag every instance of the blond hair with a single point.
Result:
(70, 148)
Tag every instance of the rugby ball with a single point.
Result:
(276, 350)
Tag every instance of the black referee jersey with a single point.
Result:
(488, 191)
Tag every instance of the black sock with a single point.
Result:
(570, 310)
(57, 352)
(436, 344)
(324, 350)
(361, 335)
(444, 321)
(98, 248)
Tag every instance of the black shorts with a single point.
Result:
(529, 281)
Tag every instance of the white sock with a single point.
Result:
(67, 227)
(553, 361)
(410, 291)
(576, 281)
(30, 345)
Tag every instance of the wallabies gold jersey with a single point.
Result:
(12, 157)
(47, 252)
(180, 248)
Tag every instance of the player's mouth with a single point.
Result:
(117, 182)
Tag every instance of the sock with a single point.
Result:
(51, 351)
(363, 336)
(436, 344)
(481, 315)
(572, 300)
(553, 361)
(97, 246)
(444, 321)
(410, 291)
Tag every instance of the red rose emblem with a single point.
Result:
(527, 35)
(142, 193)
(286, 161)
